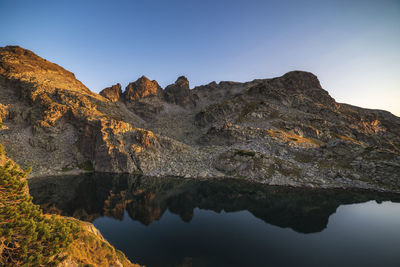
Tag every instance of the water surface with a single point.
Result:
(178, 222)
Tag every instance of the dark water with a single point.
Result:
(178, 222)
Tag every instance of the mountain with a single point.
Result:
(281, 131)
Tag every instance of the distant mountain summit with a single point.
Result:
(286, 130)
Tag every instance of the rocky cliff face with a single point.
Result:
(142, 88)
(57, 124)
(179, 93)
(112, 93)
(285, 130)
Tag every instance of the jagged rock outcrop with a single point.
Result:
(141, 88)
(179, 93)
(112, 93)
(285, 131)
(144, 98)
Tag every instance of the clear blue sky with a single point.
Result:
(352, 46)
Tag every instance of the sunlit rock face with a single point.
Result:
(286, 130)
(141, 88)
(147, 198)
(112, 93)
(18, 64)
(53, 119)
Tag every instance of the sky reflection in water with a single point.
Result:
(173, 222)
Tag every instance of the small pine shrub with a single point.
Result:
(86, 166)
(28, 237)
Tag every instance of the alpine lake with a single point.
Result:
(224, 222)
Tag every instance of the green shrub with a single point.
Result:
(28, 237)
(66, 169)
(86, 166)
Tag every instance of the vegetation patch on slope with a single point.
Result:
(30, 238)
(27, 236)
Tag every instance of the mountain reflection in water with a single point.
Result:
(183, 222)
(146, 199)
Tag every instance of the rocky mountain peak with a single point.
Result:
(22, 65)
(112, 93)
(141, 88)
(182, 82)
(17, 50)
(300, 80)
(179, 93)
(298, 89)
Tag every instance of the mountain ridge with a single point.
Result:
(286, 130)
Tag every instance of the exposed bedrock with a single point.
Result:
(286, 130)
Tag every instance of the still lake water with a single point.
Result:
(181, 222)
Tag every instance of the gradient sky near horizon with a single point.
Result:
(352, 46)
